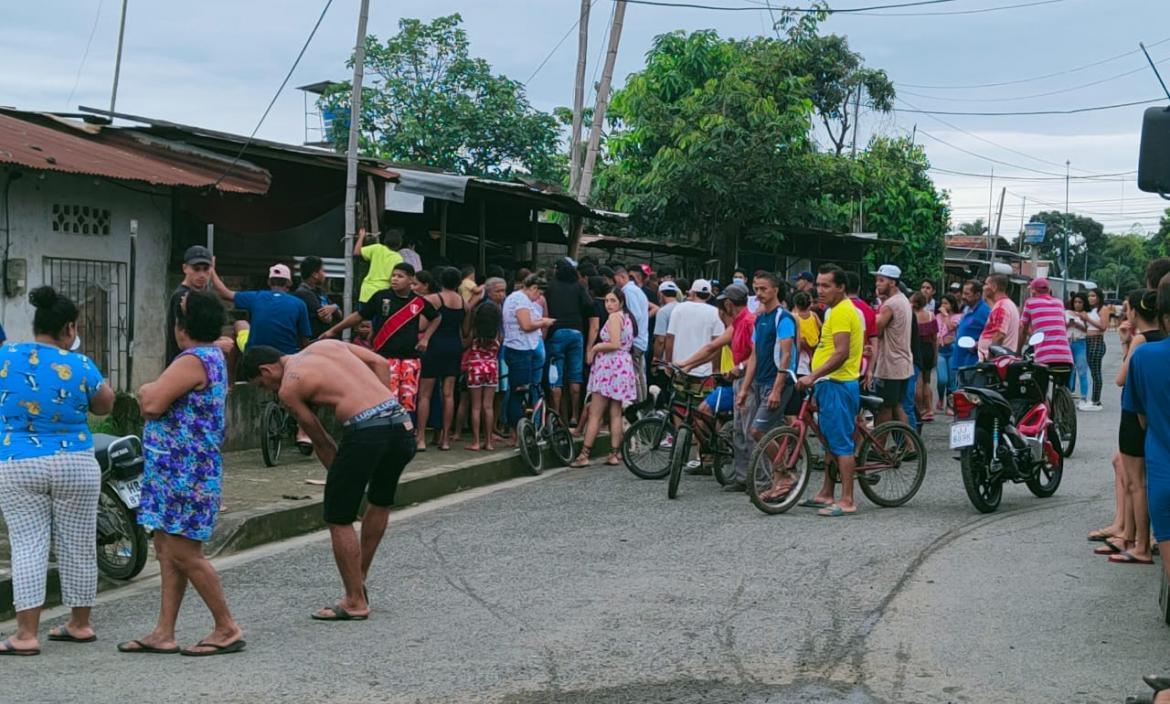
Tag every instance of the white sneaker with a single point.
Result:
(694, 464)
(1092, 407)
(1085, 406)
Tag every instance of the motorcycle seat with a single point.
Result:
(101, 448)
(871, 403)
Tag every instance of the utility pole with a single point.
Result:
(1067, 234)
(615, 35)
(856, 118)
(118, 58)
(351, 154)
(579, 97)
(990, 207)
(999, 212)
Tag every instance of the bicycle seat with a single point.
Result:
(871, 403)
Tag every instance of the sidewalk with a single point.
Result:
(269, 504)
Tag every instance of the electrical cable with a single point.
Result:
(272, 102)
(84, 55)
(742, 8)
(978, 11)
(576, 24)
(1069, 111)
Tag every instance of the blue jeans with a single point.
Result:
(523, 371)
(566, 353)
(908, 404)
(943, 375)
(1080, 367)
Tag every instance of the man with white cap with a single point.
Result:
(693, 323)
(276, 317)
(668, 293)
(893, 358)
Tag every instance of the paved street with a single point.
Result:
(590, 586)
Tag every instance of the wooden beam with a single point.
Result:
(372, 208)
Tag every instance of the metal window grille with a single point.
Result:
(99, 289)
(80, 219)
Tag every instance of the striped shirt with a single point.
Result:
(1043, 313)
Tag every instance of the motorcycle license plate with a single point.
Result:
(962, 434)
(129, 491)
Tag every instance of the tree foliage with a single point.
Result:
(1087, 240)
(427, 101)
(974, 229)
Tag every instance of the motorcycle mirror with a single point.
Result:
(967, 342)
(76, 344)
(1035, 339)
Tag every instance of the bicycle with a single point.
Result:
(275, 425)
(539, 427)
(1064, 410)
(651, 447)
(891, 460)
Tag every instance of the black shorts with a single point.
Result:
(371, 454)
(891, 391)
(1131, 436)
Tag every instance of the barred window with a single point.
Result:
(80, 219)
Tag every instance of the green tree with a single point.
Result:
(1088, 240)
(1159, 244)
(973, 229)
(427, 101)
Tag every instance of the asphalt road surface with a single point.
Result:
(590, 586)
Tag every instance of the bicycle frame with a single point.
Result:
(806, 421)
(686, 411)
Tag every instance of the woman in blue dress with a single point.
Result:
(181, 486)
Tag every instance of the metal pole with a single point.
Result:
(856, 118)
(118, 58)
(990, 209)
(211, 238)
(1064, 266)
(351, 157)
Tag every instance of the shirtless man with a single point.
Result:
(377, 442)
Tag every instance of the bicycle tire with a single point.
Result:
(779, 443)
(1064, 415)
(678, 459)
(897, 484)
(642, 450)
(723, 454)
(530, 445)
(272, 425)
(559, 437)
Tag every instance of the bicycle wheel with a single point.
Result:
(897, 459)
(271, 433)
(1064, 416)
(780, 460)
(678, 460)
(529, 445)
(723, 455)
(559, 437)
(647, 446)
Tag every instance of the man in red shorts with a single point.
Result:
(399, 334)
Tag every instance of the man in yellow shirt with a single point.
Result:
(836, 366)
(383, 257)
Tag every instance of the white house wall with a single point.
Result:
(33, 239)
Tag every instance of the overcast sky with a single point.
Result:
(216, 64)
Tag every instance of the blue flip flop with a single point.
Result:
(813, 503)
(835, 511)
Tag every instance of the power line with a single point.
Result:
(276, 95)
(1070, 111)
(84, 55)
(749, 8)
(1096, 178)
(986, 158)
(576, 23)
(978, 11)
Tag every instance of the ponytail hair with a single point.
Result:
(1144, 303)
(54, 311)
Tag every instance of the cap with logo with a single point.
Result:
(197, 254)
(956, 286)
(700, 286)
(736, 293)
(806, 276)
(279, 271)
(666, 286)
(889, 271)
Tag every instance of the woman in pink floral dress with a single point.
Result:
(611, 379)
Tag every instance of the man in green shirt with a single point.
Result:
(383, 257)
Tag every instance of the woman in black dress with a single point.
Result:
(442, 357)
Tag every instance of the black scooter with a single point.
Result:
(121, 542)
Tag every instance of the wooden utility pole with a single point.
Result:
(615, 35)
(118, 57)
(856, 118)
(579, 97)
(351, 154)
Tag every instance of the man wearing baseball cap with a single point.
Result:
(196, 274)
(1044, 313)
(694, 323)
(893, 364)
(668, 293)
(277, 318)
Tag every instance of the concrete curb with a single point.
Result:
(280, 521)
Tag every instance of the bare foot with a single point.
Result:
(489, 447)
(474, 447)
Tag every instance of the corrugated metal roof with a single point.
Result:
(53, 144)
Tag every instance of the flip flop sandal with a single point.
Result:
(10, 649)
(613, 460)
(1108, 548)
(1125, 557)
(1100, 536)
(62, 634)
(813, 503)
(140, 647)
(835, 511)
(233, 647)
(339, 614)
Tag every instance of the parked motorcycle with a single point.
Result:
(121, 542)
(1003, 426)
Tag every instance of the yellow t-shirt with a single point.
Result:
(726, 361)
(843, 317)
(382, 261)
(810, 330)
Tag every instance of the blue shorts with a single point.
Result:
(838, 402)
(721, 400)
(1158, 489)
(566, 353)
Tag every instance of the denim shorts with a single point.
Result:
(838, 402)
(566, 352)
(721, 400)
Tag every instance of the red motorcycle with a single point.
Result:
(1003, 426)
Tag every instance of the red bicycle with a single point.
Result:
(891, 460)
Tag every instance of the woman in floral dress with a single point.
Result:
(612, 381)
(181, 485)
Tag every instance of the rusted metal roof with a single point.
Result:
(50, 143)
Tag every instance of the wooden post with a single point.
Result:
(482, 236)
(578, 96)
(443, 229)
(372, 208)
(576, 227)
(351, 156)
(535, 236)
(615, 34)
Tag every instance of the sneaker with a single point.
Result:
(1084, 406)
(1089, 406)
(667, 442)
(695, 468)
(735, 488)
